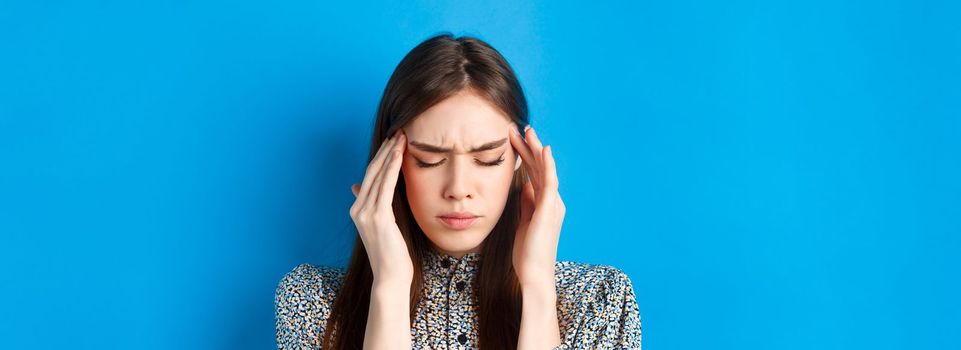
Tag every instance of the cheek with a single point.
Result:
(417, 184)
(498, 183)
(507, 180)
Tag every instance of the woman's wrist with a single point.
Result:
(392, 299)
(539, 323)
(388, 320)
(539, 282)
(393, 283)
(541, 293)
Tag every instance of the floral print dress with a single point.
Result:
(596, 305)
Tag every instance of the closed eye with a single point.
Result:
(428, 165)
(422, 164)
(494, 163)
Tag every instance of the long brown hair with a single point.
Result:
(432, 71)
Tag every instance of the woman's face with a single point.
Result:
(458, 160)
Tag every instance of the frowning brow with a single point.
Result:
(438, 149)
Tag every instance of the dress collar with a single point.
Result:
(439, 263)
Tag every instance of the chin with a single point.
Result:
(457, 242)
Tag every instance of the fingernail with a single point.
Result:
(527, 127)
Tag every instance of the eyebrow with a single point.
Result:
(437, 149)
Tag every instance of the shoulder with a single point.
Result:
(597, 307)
(310, 282)
(307, 280)
(309, 275)
(302, 303)
(577, 278)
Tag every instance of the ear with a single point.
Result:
(517, 163)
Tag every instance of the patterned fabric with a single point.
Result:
(596, 305)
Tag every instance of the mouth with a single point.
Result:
(458, 221)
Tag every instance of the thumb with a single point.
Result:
(355, 188)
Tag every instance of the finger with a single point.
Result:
(536, 146)
(550, 169)
(376, 185)
(377, 178)
(527, 155)
(390, 172)
(522, 149)
(528, 195)
(538, 150)
(355, 188)
(374, 167)
(527, 208)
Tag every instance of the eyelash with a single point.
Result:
(431, 165)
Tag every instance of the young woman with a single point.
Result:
(458, 217)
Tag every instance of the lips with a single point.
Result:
(458, 215)
(458, 220)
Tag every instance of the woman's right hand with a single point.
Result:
(373, 215)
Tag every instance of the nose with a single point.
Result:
(459, 183)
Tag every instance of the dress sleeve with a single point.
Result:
(302, 304)
(602, 313)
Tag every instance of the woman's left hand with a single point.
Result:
(542, 213)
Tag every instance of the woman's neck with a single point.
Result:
(456, 254)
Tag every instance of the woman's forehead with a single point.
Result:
(457, 140)
(462, 120)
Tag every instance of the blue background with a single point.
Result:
(771, 175)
